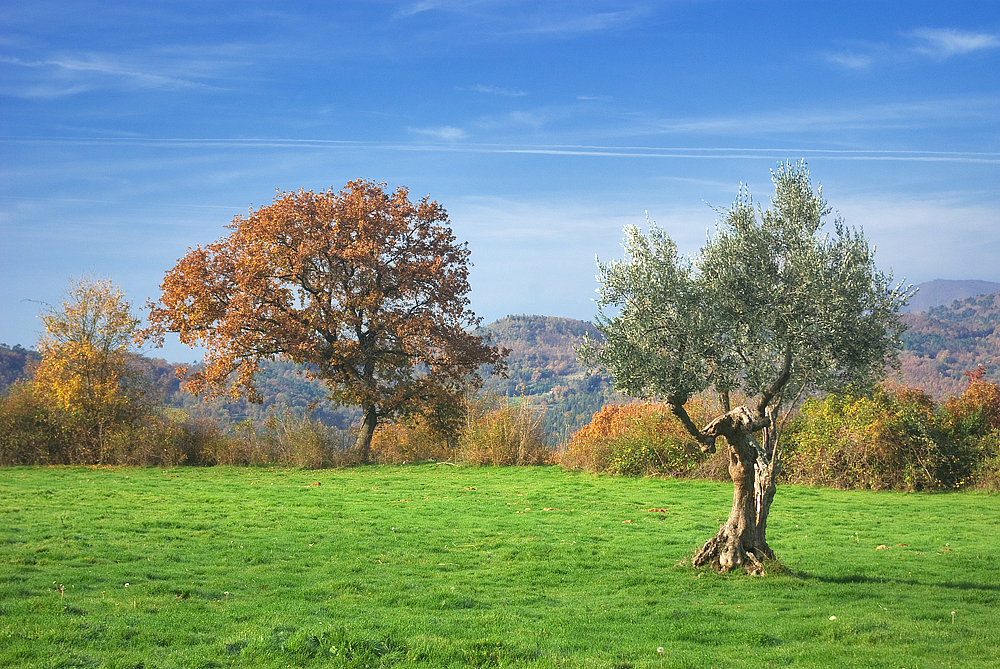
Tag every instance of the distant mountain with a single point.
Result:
(940, 345)
(948, 340)
(14, 364)
(943, 291)
(543, 368)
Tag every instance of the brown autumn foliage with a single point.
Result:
(365, 288)
(638, 439)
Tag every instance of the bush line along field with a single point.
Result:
(443, 566)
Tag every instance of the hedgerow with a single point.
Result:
(896, 439)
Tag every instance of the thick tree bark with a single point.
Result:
(369, 422)
(741, 542)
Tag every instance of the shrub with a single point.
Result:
(972, 420)
(33, 432)
(499, 431)
(412, 441)
(890, 440)
(288, 440)
(636, 440)
(30, 431)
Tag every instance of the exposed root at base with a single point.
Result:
(725, 553)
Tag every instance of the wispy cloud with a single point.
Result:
(916, 45)
(585, 23)
(906, 115)
(447, 133)
(943, 42)
(519, 119)
(555, 19)
(418, 7)
(70, 75)
(850, 60)
(493, 90)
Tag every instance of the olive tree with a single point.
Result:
(770, 308)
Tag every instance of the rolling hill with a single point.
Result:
(543, 368)
(948, 340)
(941, 344)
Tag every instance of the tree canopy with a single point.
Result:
(365, 288)
(87, 371)
(769, 308)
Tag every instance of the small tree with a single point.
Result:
(770, 307)
(363, 287)
(88, 370)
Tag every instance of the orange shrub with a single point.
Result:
(975, 410)
(637, 440)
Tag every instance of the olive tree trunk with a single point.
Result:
(741, 542)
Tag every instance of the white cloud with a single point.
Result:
(446, 132)
(939, 43)
(495, 90)
(418, 7)
(903, 115)
(944, 42)
(583, 24)
(850, 60)
(491, 19)
(946, 236)
(69, 75)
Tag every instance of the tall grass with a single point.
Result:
(502, 431)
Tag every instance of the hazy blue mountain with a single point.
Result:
(943, 291)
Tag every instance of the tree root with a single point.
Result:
(725, 552)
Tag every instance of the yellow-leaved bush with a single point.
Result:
(896, 439)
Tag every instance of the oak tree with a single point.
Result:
(364, 288)
(770, 308)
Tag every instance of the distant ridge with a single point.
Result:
(944, 342)
(944, 291)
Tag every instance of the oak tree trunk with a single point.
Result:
(369, 422)
(741, 542)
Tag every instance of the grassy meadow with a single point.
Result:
(441, 566)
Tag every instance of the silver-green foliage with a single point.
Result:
(768, 286)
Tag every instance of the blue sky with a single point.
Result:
(131, 131)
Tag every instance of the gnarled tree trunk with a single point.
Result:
(753, 466)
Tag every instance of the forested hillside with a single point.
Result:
(543, 368)
(941, 344)
(946, 341)
(14, 364)
(279, 384)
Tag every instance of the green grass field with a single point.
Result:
(439, 566)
